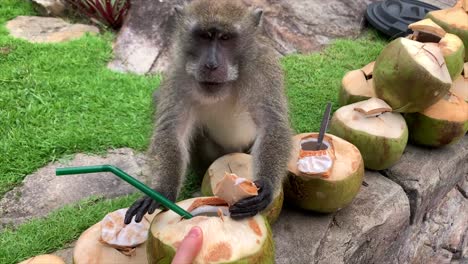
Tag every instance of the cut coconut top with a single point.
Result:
(357, 83)
(387, 124)
(372, 107)
(238, 163)
(347, 158)
(224, 239)
(427, 26)
(451, 108)
(232, 188)
(455, 16)
(429, 57)
(462, 4)
(460, 87)
(449, 44)
(43, 259)
(115, 233)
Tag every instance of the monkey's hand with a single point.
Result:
(251, 206)
(140, 208)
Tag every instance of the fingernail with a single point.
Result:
(194, 232)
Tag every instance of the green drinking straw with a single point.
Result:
(124, 176)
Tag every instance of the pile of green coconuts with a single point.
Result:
(419, 89)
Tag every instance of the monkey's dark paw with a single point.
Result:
(140, 208)
(251, 206)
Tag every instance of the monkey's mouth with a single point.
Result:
(211, 87)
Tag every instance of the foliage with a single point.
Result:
(108, 12)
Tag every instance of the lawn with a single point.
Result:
(60, 99)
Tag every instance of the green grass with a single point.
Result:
(56, 100)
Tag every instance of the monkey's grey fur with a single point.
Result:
(249, 112)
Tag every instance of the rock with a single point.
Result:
(441, 238)
(294, 26)
(427, 175)
(42, 191)
(49, 7)
(47, 29)
(441, 3)
(359, 233)
(66, 253)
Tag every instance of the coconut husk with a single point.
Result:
(232, 188)
(43, 259)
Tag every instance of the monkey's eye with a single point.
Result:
(206, 35)
(224, 37)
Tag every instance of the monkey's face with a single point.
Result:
(215, 37)
(212, 59)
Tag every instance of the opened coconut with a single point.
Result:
(111, 241)
(357, 85)
(441, 124)
(460, 85)
(325, 179)
(370, 125)
(410, 75)
(224, 240)
(44, 259)
(239, 164)
(453, 20)
(451, 45)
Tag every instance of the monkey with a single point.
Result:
(223, 93)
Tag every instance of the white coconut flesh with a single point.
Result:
(319, 160)
(347, 158)
(373, 117)
(358, 83)
(224, 239)
(450, 108)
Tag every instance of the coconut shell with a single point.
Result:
(224, 240)
(442, 124)
(242, 165)
(454, 51)
(320, 194)
(44, 259)
(380, 139)
(410, 76)
(453, 20)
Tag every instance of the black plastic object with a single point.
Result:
(392, 17)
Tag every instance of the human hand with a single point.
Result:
(189, 247)
(252, 205)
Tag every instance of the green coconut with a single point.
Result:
(441, 124)
(451, 45)
(453, 20)
(321, 192)
(241, 165)
(224, 240)
(379, 134)
(410, 75)
(357, 85)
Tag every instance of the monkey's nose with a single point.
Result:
(211, 66)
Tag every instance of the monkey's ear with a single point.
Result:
(179, 10)
(257, 15)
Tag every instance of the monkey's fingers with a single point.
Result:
(143, 209)
(132, 210)
(241, 216)
(154, 205)
(257, 207)
(264, 194)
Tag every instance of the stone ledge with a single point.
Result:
(427, 175)
(359, 233)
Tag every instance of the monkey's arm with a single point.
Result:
(168, 154)
(270, 152)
